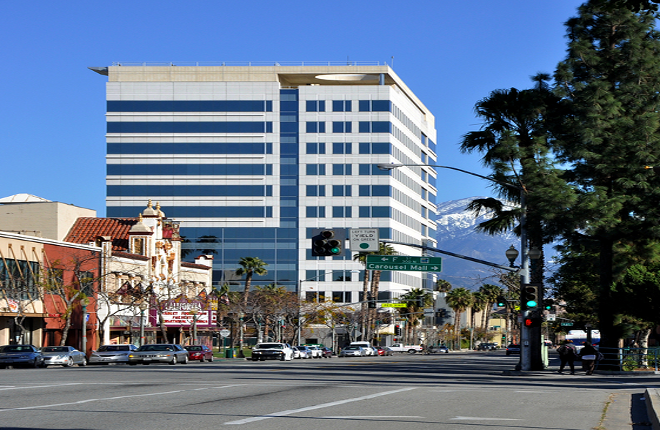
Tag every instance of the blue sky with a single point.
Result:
(451, 54)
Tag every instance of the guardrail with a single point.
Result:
(630, 359)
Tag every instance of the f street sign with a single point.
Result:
(404, 263)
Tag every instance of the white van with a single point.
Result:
(366, 346)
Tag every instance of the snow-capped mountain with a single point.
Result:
(456, 233)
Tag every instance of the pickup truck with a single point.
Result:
(410, 349)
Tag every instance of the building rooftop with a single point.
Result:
(86, 230)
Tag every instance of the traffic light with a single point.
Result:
(328, 243)
(531, 296)
(501, 302)
(371, 302)
(533, 320)
(548, 304)
(397, 330)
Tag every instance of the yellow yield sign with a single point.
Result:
(393, 305)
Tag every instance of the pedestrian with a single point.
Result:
(588, 354)
(567, 355)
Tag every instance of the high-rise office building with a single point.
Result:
(251, 159)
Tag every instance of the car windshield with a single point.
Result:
(17, 348)
(156, 348)
(352, 347)
(270, 346)
(114, 348)
(55, 349)
(193, 348)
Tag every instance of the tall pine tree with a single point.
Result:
(611, 82)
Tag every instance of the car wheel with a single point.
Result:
(411, 351)
(174, 361)
(132, 364)
(83, 363)
(185, 360)
(283, 357)
(507, 353)
(211, 359)
(69, 362)
(35, 364)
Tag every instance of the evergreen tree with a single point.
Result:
(610, 80)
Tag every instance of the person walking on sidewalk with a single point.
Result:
(567, 355)
(588, 354)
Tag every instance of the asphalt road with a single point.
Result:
(446, 391)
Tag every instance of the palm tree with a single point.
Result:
(515, 142)
(416, 299)
(383, 249)
(479, 304)
(491, 293)
(442, 286)
(458, 300)
(250, 266)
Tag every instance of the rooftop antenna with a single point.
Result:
(392, 62)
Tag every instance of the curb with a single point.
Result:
(653, 406)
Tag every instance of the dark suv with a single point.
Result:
(513, 349)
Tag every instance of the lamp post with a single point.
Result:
(526, 341)
(143, 307)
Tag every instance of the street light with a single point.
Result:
(143, 307)
(525, 341)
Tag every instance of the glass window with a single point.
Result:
(315, 169)
(315, 147)
(316, 190)
(315, 105)
(341, 105)
(315, 212)
(341, 190)
(342, 148)
(341, 212)
(342, 169)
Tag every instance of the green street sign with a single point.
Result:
(404, 263)
(567, 324)
(393, 305)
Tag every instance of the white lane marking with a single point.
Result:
(110, 398)
(348, 417)
(485, 419)
(40, 386)
(323, 405)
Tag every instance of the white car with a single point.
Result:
(272, 351)
(304, 352)
(316, 351)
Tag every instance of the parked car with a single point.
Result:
(353, 351)
(485, 346)
(272, 351)
(327, 352)
(109, 354)
(65, 356)
(384, 350)
(303, 351)
(199, 352)
(316, 351)
(27, 355)
(368, 348)
(513, 349)
(440, 348)
(170, 353)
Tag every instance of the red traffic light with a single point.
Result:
(529, 322)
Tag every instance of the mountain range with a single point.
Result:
(456, 233)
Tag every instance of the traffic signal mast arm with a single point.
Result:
(452, 254)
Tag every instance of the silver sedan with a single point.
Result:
(109, 354)
(170, 353)
(63, 356)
